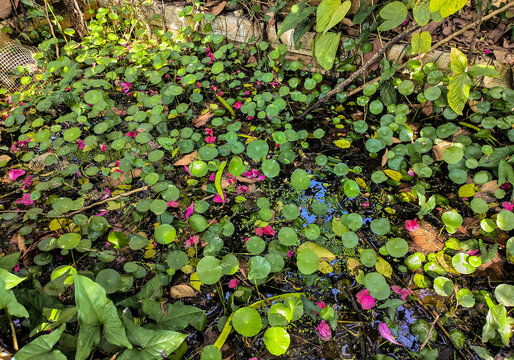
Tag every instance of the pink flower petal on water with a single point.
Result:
(233, 283)
(321, 304)
(172, 204)
(411, 225)
(508, 206)
(16, 173)
(25, 200)
(385, 332)
(189, 210)
(365, 299)
(323, 331)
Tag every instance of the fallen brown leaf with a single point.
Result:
(439, 150)
(187, 159)
(426, 238)
(182, 291)
(216, 10)
(201, 120)
(17, 244)
(487, 191)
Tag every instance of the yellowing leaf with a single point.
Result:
(343, 143)
(467, 190)
(383, 267)
(149, 254)
(351, 264)
(407, 197)
(361, 182)
(195, 282)
(323, 254)
(395, 175)
(57, 224)
(324, 267)
(187, 269)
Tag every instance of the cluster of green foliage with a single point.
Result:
(149, 125)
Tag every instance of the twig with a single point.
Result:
(106, 200)
(435, 46)
(429, 333)
(362, 69)
(13, 330)
(475, 33)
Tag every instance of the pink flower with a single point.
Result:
(486, 51)
(172, 204)
(16, 173)
(242, 189)
(187, 169)
(321, 304)
(474, 252)
(125, 87)
(402, 292)
(209, 131)
(365, 299)
(505, 186)
(323, 331)
(233, 283)
(365, 204)
(210, 139)
(219, 199)
(405, 22)
(268, 230)
(238, 105)
(16, 267)
(212, 177)
(410, 172)
(247, 93)
(189, 210)
(290, 253)
(508, 206)
(385, 332)
(81, 144)
(192, 241)
(27, 182)
(254, 358)
(132, 134)
(411, 225)
(102, 213)
(107, 244)
(25, 200)
(14, 149)
(103, 147)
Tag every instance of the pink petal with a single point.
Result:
(321, 304)
(187, 169)
(189, 210)
(396, 289)
(323, 331)
(368, 303)
(233, 283)
(16, 173)
(385, 332)
(259, 231)
(411, 225)
(218, 199)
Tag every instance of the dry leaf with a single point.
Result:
(182, 291)
(439, 150)
(426, 238)
(202, 119)
(17, 244)
(187, 159)
(216, 10)
(4, 158)
(377, 45)
(384, 158)
(487, 191)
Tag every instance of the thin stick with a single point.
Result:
(429, 333)
(436, 45)
(106, 200)
(13, 330)
(362, 69)
(51, 29)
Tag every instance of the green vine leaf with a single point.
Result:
(394, 15)
(447, 7)
(421, 42)
(421, 12)
(96, 312)
(325, 49)
(330, 13)
(298, 14)
(483, 70)
(41, 347)
(458, 92)
(9, 303)
(458, 61)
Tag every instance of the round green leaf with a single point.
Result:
(247, 322)
(505, 294)
(276, 340)
(465, 298)
(287, 236)
(69, 241)
(209, 270)
(307, 261)
(443, 286)
(110, 279)
(397, 247)
(211, 352)
(165, 234)
(300, 179)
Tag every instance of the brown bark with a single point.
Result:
(76, 17)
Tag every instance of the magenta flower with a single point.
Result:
(365, 204)
(238, 105)
(27, 182)
(486, 51)
(242, 189)
(81, 144)
(505, 186)
(14, 149)
(411, 225)
(268, 230)
(233, 283)
(219, 199)
(403, 292)
(187, 169)
(385, 332)
(212, 177)
(25, 200)
(323, 331)
(209, 132)
(210, 139)
(172, 204)
(290, 253)
(132, 134)
(16, 267)
(16, 173)
(103, 147)
(102, 213)
(410, 172)
(321, 304)
(508, 206)
(189, 210)
(192, 241)
(125, 87)
(474, 252)
(365, 299)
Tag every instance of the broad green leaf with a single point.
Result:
(483, 70)
(458, 92)
(447, 7)
(174, 317)
(329, 13)
(9, 279)
(497, 322)
(41, 348)
(9, 303)
(247, 321)
(421, 42)
(276, 340)
(96, 312)
(325, 49)
(298, 13)
(152, 289)
(217, 180)
(226, 105)
(505, 294)
(421, 12)
(458, 61)
(394, 15)
(151, 344)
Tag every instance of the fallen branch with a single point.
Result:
(438, 44)
(360, 71)
(429, 333)
(105, 201)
